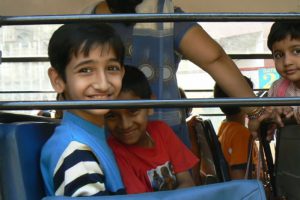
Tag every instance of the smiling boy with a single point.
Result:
(86, 64)
(284, 43)
(149, 154)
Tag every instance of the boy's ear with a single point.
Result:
(57, 82)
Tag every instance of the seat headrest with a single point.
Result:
(20, 147)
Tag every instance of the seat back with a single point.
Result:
(20, 146)
(287, 162)
(6, 117)
(231, 190)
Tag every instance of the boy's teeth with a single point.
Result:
(98, 97)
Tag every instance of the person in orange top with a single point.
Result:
(234, 137)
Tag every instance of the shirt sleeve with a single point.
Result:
(182, 158)
(180, 28)
(78, 173)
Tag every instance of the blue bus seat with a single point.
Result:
(20, 145)
(6, 117)
(20, 177)
(231, 190)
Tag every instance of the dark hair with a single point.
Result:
(280, 30)
(71, 39)
(135, 81)
(123, 6)
(219, 93)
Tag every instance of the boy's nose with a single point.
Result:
(288, 59)
(100, 81)
(125, 122)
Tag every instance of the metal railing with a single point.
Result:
(203, 102)
(165, 17)
(45, 59)
(200, 17)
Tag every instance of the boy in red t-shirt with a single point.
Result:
(148, 153)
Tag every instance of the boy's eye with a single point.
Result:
(296, 51)
(85, 70)
(133, 111)
(277, 55)
(114, 67)
(110, 115)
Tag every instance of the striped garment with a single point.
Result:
(75, 159)
(78, 173)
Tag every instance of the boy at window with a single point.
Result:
(148, 153)
(284, 43)
(86, 64)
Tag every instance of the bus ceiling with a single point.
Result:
(57, 7)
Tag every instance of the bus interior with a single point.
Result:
(241, 28)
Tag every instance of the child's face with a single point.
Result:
(286, 54)
(129, 125)
(97, 76)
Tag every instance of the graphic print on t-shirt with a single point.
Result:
(162, 177)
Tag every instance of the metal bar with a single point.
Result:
(211, 115)
(35, 91)
(251, 56)
(24, 92)
(205, 102)
(46, 59)
(162, 17)
(211, 90)
(24, 59)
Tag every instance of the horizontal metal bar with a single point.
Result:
(35, 91)
(46, 59)
(211, 90)
(24, 92)
(167, 17)
(24, 59)
(211, 115)
(205, 102)
(251, 56)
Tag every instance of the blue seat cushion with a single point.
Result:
(231, 190)
(20, 146)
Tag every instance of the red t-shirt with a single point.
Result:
(153, 169)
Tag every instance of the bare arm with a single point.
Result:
(198, 47)
(184, 179)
